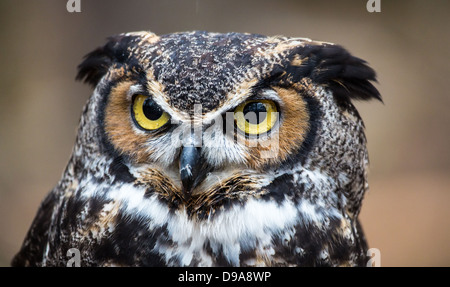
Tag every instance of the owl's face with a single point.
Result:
(202, 119)
(212, 149)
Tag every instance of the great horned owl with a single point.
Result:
(208, 149)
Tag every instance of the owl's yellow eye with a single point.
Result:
(256, 117)
(148, 114)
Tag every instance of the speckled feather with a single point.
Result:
(120, 202)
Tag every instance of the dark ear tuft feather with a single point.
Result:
(331, 65)
(96, 63)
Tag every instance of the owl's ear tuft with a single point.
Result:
(96, 64)
(333, 66)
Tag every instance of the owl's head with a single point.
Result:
(204, 119)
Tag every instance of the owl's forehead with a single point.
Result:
(204, 68)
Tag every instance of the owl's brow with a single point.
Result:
(133, 90)
(267, 94)
(232, 100)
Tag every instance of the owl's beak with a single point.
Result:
(190, 164)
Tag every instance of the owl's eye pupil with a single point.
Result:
(255, 112)
(151, 110)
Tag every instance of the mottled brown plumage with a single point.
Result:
(181, 178)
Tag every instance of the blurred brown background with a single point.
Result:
(405, 213)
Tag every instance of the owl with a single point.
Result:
(210, 149)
